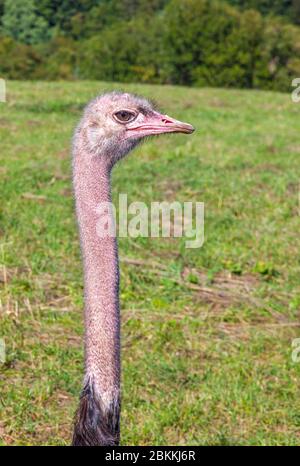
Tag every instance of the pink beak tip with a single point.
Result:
(178, 126)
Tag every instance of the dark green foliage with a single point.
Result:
(59, 60)
(287, 8)
(296, 11)
(22, 22)
(59, 13)
(125, 52)
(245, 44)
(1, 8)
(17, 60)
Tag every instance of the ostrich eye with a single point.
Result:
(124, 116)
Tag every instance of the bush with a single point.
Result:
(188, 42)
(17, 61)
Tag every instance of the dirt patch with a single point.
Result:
(293, 188)
(266, 167)
(218, 103)
(8, 273)
(223, 289)
(33, 123)
(34, 197)
(4, 435)
(295, 149)
(63, 154)
(4, 123)
(244, 330)
(66, 192)
(188, 104)
(170, 188)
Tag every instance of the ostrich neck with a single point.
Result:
(101, 277)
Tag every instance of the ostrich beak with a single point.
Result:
(157, 123)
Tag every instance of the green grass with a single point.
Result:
(207, 335)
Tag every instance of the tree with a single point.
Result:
(17, 61)
(22, 22)
(1, 9)
(58, 14)
(126, 51)
(271, 7)
(59, 59)
(296, 11)
(280, 56)
(199, 40)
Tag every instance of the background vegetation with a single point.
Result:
(234, 43)
(206, 334)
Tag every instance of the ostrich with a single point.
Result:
(112, 125)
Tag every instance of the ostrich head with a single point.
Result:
(114, 123)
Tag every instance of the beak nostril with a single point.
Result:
(158, 124)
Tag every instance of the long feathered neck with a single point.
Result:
(97, 419)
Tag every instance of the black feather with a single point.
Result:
(95, 426)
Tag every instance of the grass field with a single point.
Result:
(206, 333)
